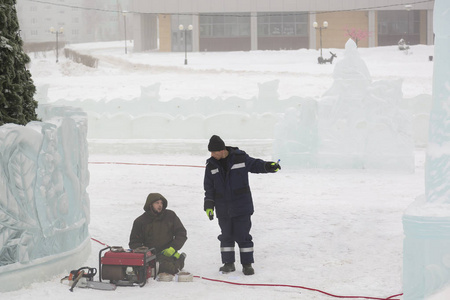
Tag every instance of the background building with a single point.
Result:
(240, 25)
(81, 20)
(227, 25)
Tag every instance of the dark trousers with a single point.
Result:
(236, 230)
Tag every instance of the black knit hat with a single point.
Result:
(216, 144)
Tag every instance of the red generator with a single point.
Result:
(127, 268)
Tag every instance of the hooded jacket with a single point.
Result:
(159, 231)
(229, 192)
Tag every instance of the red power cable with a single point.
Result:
(298, 287)
(99, 242)
(286, 285)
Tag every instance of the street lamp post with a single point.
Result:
(57, 32)
(324, 26)
(181, 28)
(125, 28)
(408, 8)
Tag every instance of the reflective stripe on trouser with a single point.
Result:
(246, 255)
(227, 254)
(236, 230)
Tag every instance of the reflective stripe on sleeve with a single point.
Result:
(238, 166)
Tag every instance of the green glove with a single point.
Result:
(169, 252)
(210, 213)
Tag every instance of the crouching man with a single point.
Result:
(160, 228)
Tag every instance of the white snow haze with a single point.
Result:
(328, 224)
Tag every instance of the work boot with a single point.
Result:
(227, 268)
(247, 269)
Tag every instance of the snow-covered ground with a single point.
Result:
(338, 231)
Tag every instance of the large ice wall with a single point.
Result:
(44, 206)
(146, 117)
(437, 187)
(258, 117)
(426, 223)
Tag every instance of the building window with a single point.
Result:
(396, 25)
(398, 22)
(228, 25)
(283, 24)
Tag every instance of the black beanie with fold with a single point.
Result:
(216, 144)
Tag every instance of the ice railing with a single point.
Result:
(148, 117)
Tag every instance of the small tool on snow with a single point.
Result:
(84, 278)
(79, 275)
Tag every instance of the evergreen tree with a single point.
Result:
(16, 86)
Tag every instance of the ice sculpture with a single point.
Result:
(356, 124)
(426, 223)
(296, 136)
(44, 206)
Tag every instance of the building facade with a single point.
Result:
(76, 21)
(242, 25)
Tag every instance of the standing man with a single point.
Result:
(160, 228)
(227, 190)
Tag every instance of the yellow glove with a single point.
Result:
(210, 213)
(168, 252)
(171, 252)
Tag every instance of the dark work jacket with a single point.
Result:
(229, 192)
(157, 231)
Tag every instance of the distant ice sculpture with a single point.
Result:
(356, 124)
(44, 206)
(426, 223)
(296, 137)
